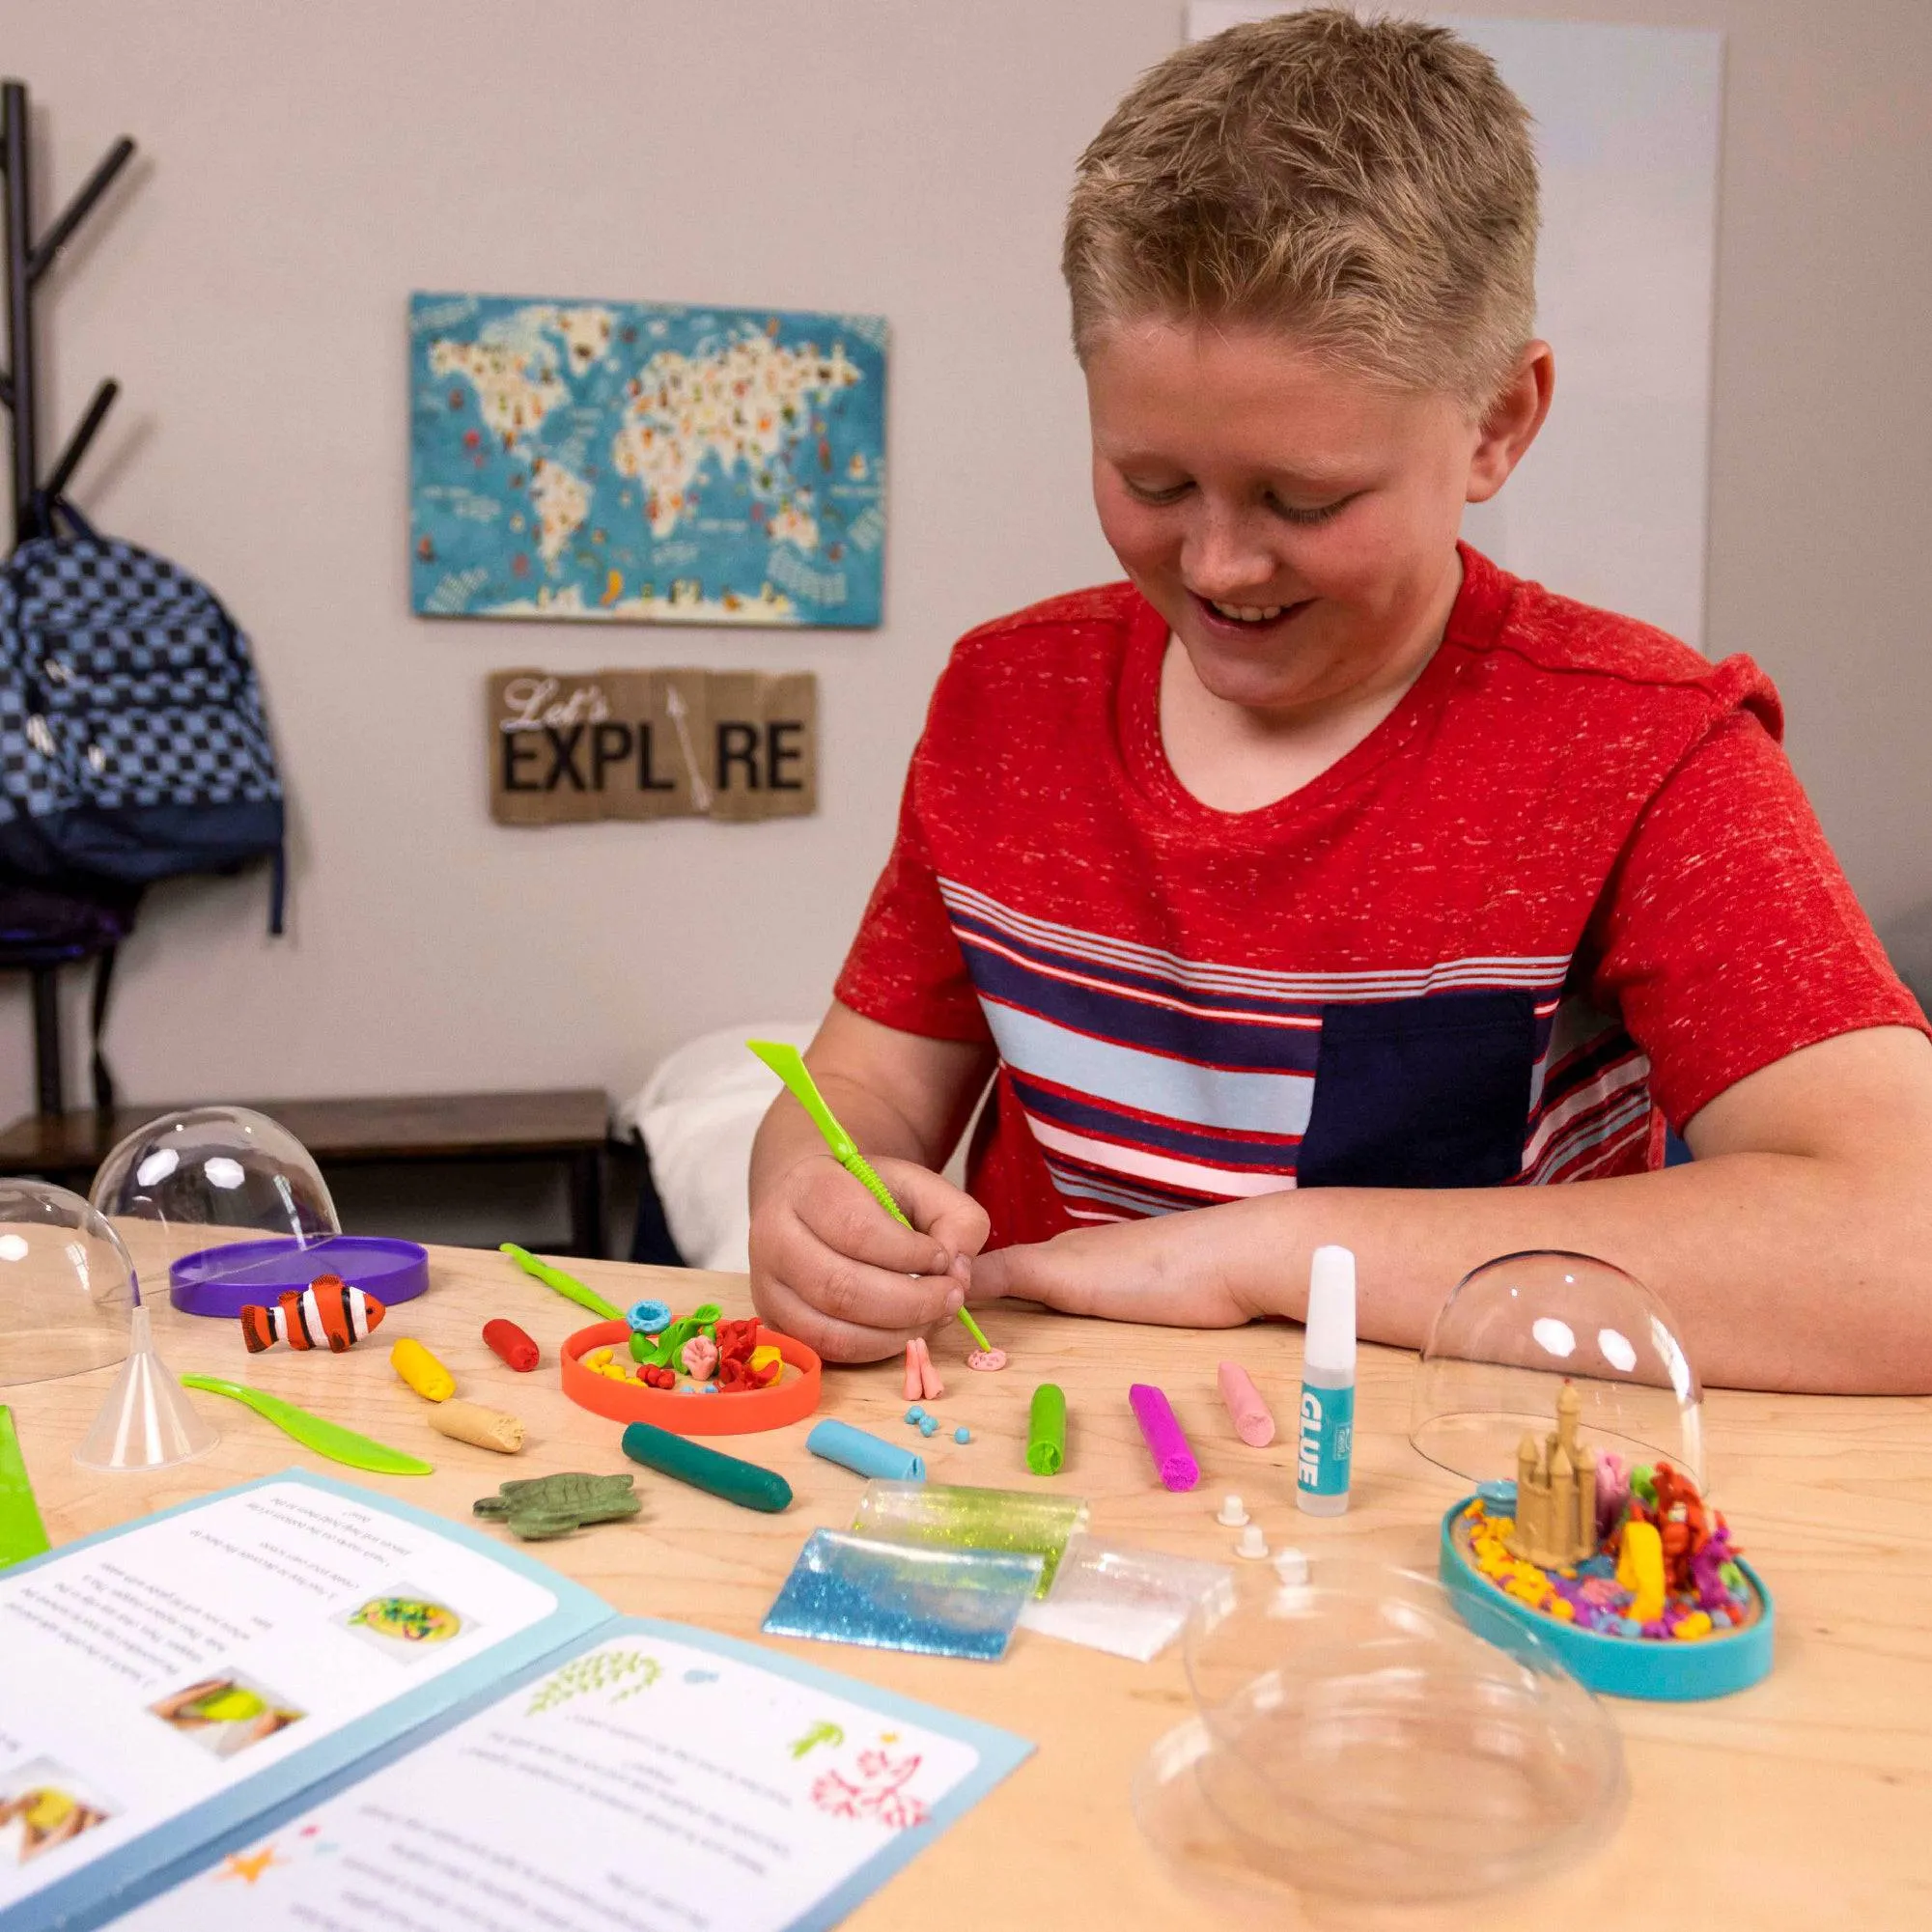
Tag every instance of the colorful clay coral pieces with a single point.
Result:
(662, 1349)
(422, 1371)
(511, 1345)
(546, 1506)
(741, 1363)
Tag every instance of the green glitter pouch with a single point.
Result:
(958, 1517)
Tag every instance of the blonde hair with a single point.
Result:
(1366, 185)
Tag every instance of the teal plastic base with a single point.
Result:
(1621, 1666)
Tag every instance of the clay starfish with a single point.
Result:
(544, 1506)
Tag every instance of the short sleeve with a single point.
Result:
(905, 967)
(1728, 935)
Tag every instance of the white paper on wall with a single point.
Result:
(1610, 506)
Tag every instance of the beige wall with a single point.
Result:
(306, 166)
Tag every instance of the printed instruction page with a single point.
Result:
(645, 1786)
(155, 1669)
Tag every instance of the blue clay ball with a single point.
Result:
(963, 1435)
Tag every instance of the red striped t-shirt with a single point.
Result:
(1568, 889)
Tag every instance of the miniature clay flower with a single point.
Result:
(698, 1356)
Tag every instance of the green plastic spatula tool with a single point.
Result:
(22, 1534)
(789, 1065)
(566, 1285)
(316, 1432)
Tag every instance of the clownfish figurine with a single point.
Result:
(328, 1313)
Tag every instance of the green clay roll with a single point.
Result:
(743, 1483)
(1046, 1431)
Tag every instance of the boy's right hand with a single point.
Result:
(832, 1268)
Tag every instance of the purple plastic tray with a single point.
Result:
(225, 1281)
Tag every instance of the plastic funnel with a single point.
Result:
(147, 1421)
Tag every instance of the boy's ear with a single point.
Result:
(1510, 423)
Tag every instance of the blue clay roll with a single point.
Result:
(864, 1454)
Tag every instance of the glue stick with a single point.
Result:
(1325, 1422)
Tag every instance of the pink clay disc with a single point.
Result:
(988, 1360)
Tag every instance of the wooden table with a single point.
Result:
(1803, 1803)
(571, 1126)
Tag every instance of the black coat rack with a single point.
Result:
(27, 260)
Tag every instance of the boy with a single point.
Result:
(1322, 884)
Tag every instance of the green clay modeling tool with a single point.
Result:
(789, 1065)
(316, 1432)
(22, 1534)
(566, 1285)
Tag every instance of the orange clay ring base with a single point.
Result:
(741, 1413)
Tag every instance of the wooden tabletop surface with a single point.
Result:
(388, 1128)
(1803, 1802)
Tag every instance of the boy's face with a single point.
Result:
(1295, 524)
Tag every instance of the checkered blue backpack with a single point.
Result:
(133, 746)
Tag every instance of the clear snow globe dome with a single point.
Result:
(1515, 1329)
(66, 1286)
(1362, 1738)
(214, 1199)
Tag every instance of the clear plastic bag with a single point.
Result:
(1130, 1603)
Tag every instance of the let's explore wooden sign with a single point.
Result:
(652, 745)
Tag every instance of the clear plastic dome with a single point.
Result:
(67, 1285)
(221, 1201)
(1515, 1329)
(1357, 1738)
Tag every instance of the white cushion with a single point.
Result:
(697, 1115)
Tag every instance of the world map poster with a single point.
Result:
(644, 460)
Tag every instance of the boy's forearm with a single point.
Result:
(1783, 1271)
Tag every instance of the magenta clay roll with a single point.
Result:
(1165, 1442)
(1252, 1423)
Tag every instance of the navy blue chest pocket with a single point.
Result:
(1421, 1093)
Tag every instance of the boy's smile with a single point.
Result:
(1295, 522)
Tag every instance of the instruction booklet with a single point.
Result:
(298, 1703)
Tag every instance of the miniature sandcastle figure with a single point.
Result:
(1555, 1493)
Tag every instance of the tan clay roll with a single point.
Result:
(472, 1422)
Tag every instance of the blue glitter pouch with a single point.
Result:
(897, 1596)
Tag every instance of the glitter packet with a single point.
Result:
(898, 1596)
(958, 1516)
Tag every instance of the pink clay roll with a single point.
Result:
(1252, 1423)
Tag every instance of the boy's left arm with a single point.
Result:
(1795, 1250)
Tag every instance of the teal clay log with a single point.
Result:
(743, 1483)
